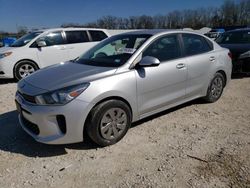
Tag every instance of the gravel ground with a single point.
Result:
(193, 145)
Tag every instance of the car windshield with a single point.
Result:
(25, 39)
(242, 37)
(224, 38)
(114, 51)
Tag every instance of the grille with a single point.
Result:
(61, 123)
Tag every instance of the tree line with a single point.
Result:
(230, 13)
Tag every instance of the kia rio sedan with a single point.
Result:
(121, 80)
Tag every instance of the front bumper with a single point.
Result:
(44, 118)
(241, 65)
(6, 69)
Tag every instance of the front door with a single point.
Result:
(161, 86)
(55, 50)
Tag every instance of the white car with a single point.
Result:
(42, 48)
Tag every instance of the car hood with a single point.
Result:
(7, 49)
(66, 74)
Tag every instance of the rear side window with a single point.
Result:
(165, 48)
(76, 37)
(54, 38)
(195, 44)
(97, 35)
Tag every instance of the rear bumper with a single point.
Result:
(42, 124)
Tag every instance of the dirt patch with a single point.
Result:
(154, 153)
(227, 168)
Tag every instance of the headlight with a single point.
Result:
(61, 96)
(2, 55)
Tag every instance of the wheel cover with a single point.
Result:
(26, 70)
(217, 87)
(113, 123)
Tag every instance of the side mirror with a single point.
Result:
(41, 43)
(149, 61)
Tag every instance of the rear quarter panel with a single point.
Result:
(223, 63)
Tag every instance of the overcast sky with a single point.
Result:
(52, 13)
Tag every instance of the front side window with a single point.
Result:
(195, 44)
(25, 39)
(165, 48)
(114, 51)
(76, 37)
(97, 35)
(53, 38)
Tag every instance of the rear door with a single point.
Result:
(78, 42)
(54, 51)
(158, 87)
(200, 59)
(97, 36)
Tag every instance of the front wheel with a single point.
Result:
(24, 68)
(109, 122)
(215, 88)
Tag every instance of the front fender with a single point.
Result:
(122, 85)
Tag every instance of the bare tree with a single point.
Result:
(22, 30)
(230, 13)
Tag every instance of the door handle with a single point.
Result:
(180, 66)
(212, 58)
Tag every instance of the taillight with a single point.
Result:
(230, 55)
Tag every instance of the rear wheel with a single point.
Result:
(109, 122)
(24, 68)
(215, 88)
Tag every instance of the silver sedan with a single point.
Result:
(123, 79)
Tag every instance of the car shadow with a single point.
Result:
(236, 76)
(14, 139)
(7, 81)
(168, 111)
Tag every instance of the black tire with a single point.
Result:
(19, 71)
(96, 122)
(215, 88)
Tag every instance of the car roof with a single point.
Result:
(158, 31)
(68, 29)
(154, 32)
(148, 31)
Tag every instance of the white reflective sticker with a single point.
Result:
(127, 50)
